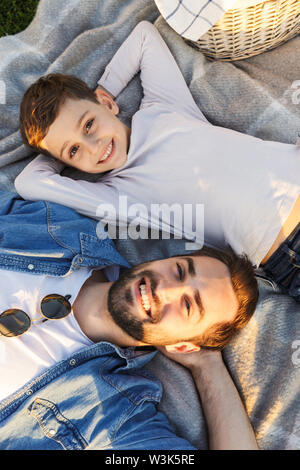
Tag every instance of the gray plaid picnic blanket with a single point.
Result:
(259, 96)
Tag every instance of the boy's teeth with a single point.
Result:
(107, 152)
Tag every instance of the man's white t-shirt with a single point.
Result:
(25, 357)
(246, 186)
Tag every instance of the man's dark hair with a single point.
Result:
(41, 104)
(246, 290)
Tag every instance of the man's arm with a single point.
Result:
(228, 425)
(144, 50)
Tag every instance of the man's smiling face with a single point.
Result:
(172, 300)
(88, 135)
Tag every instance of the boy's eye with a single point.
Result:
(188, 305)
(89, 125)
(73, 150)
(180, 271)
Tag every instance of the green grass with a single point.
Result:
(15, 15)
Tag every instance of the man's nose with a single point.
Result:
(169, 290)
(170, 295)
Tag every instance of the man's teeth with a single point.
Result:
(145, 299)
(107, 153)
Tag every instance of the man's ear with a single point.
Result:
(182, 347)
(104, 97)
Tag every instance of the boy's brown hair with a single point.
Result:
(41, 104)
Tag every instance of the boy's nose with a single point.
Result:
(93, 146)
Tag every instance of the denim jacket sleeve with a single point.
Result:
(100, 398)
(46, 238)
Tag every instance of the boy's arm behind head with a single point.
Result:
(145, 50)
(41, 180)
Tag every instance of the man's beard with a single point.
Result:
(121, 301)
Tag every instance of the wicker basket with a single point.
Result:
(243, 33)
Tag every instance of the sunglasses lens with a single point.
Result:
(14, 322)
(55, 306)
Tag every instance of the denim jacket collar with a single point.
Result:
(45, 238)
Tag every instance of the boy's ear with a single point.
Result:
(103, 97)
(182, 347)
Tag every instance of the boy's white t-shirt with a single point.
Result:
(25, 357)
(246, 186)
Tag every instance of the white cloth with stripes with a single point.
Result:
(193, 18)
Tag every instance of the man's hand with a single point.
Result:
(194, 360)
(228, 425)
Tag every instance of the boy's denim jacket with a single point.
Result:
(99, 398)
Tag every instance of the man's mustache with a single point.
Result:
(153, 280)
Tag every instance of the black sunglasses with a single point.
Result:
(15, 322)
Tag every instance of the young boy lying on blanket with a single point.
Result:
(249, 188)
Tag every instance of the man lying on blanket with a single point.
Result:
(78, 382)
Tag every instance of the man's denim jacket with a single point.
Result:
(99, 398)
(47, 238)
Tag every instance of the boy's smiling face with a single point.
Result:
(88, 135)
